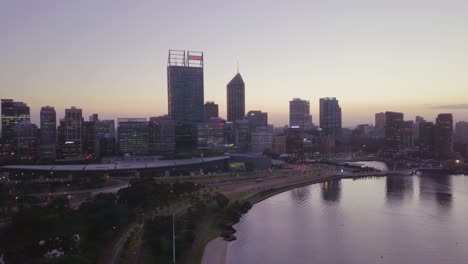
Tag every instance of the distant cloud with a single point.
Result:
(451, 107)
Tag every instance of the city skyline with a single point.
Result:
(408, 57)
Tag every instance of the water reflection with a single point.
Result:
(306, 226)
(438, 187)
(300, 195)
(331, 190)
(398, 188)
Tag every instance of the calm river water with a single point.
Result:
(408, 219)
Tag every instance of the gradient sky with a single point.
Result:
(110, 56)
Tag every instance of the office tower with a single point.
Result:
(443, 135)
(294, 140)
(211, 110)
(407, 134)
(299, 113)
(48, 133)
(185, 86)
(417, 122)
(380, 125)
(93, 117)
(279, 144)
(211, 133)
(88, 139)
(69, 134)
(257, 118)
(393, 129)
(104, 137)
(330, 116)
(426, 136)
(236, 99)
(26, 137)
(261, 139)
(186, 137)
(12, 114)
(133, 136)
(162, 136)
(461, 132)
(229, 134)
(243, 135)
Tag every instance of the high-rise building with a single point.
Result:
(443, 135)
(380, 125)
(161, 135)
(426, 136)
(294, 140)
(279, 144)
(393, 129)
(133, 136)
(257, 118)
(461, 132)
(12, 114)
(211, 110)
(299, 113)
(417, 122)
(26, 137)
(70, 134)
(185, 86)
(236, 99)
(407, 134)
(261, 139)
(243, 130)
(88, 139)
(330, 116)
(104, 137)
(48, 133)
(211, 133)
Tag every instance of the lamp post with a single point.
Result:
(173, 233)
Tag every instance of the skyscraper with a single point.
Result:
(380, 125)
(161, 135)
(257, 118)
(299, 113)
(12, 114)
(70, 134)
(393, 129)
(211, 110)
(185, 86)
(461, 132)
(330, 116)
(48, 133)
(104, 137)
(26, 140)
(236, 99)
(133, 136)
(443, 135)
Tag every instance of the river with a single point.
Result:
(395, 219)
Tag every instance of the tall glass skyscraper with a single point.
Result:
(236, 99)
(12, 114)
(330, 116)
(48, 133)
(299, 113)
(133, 136)
(185, 86)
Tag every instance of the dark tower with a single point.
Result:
(185, 86)
(236, 99)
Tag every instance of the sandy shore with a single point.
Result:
(215, 252)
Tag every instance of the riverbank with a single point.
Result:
(216, 249)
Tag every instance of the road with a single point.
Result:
(123, 182)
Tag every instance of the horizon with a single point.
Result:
(109, 57)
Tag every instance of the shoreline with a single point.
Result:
(215, 251)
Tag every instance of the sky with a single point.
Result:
(110, 56)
